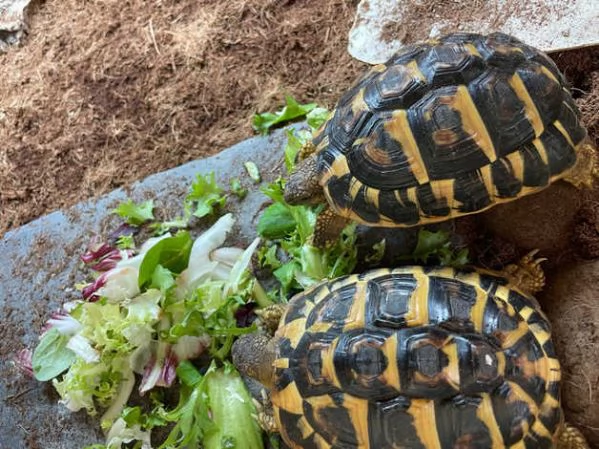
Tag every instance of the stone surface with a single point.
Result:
(40, 266)
(13, 22)
(381, 27)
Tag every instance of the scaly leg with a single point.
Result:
(265, 413)
(584, 170)
(571, 438)
(306, 150)
(328, 228)
(527, 274)
(270, 317)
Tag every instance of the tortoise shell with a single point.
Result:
(416, 358)
(447, 128)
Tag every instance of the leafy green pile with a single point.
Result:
(166, 313)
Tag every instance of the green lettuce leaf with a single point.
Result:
(292, 110)
(172, 253)
(215, 411)
(205, 196)
(437, 247)
(51, 356)
(135, 213)
(253, 171)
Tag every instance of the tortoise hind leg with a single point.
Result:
(571, 438)
(527, 274)
(584, 171)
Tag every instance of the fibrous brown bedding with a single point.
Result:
(105, 93)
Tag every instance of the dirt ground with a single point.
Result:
(101, 94)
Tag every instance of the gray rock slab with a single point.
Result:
(40, 265)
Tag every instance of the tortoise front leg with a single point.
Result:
(328, 227)
(571, 438)
(265, 413)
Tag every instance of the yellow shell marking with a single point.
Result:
(471, 120)
(320, 326)
(357, 410)
(500, 362)
(288, 399)
(472, 50)
(372, 196)
(417, 314)
(358, 104)
(328, 364)
(399, 128)
(452, 371)
(305, 427)
(412, 196)
(517, 162)
(541, 150)
(423, 413)
(563, 132)
(477, 312)
(513, 336)
(540, 429)
(413, 70)
(293, 331)
(549, 74)
(526, 312)
(487, 177)
(281, 363)
(486, 414)
(391, 374)
(355, 317)
(444, 188)
(339, 165)
(531, 111)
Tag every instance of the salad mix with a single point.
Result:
(166, 312)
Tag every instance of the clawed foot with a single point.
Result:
(270, 317)
(265, 414)
(527, 274)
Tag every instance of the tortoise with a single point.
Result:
(445, 128)
(412, 357)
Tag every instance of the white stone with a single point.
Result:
(549, 25)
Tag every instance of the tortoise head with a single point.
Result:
(303, 186)
(254, 355)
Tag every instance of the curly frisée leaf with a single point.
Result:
(205, 196)
(290, 229)
(135, 213)
(437, 246)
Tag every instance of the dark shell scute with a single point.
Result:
(503, 113)
(450, 64)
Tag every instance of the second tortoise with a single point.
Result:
(445, 128)
(413, 357)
